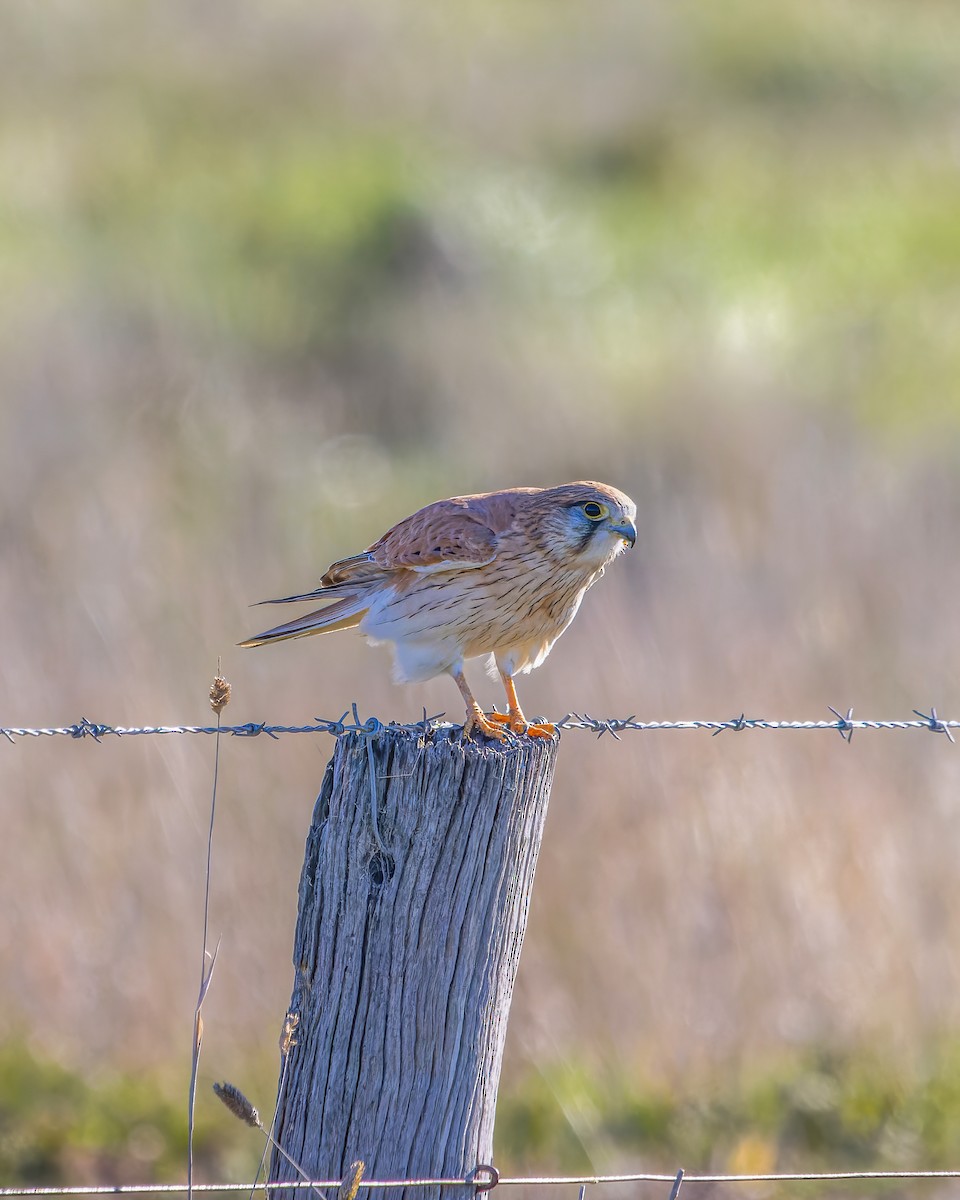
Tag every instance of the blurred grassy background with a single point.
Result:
(272, 276)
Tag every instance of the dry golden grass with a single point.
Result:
(698, 899)
(169, 456)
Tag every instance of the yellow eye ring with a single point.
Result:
(594, 511)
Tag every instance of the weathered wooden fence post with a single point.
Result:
(413, 905)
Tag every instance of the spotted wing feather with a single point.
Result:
(460, 534)
(455, 534)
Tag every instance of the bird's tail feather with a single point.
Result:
(345, 614)
(346, 575)
(320, 593)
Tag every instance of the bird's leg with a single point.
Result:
(514, 719)
(476, 718)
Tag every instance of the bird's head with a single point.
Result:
(595, 521)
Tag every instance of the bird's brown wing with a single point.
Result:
(451, 534)
(456, 534)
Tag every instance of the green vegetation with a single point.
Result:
(60, 1127)
(807, 1113)
(823, 1112)
(789, 187)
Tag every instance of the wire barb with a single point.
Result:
(934, 724)
(844, 724)
(85, 728)
(737, 724)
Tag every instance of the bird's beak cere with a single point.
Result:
(627, 530)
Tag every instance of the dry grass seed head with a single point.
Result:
(351, 1181)
(219, 694)
(238, 1104)
(287, 1039)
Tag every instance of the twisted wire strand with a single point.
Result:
(141, 1189)
(844, 724)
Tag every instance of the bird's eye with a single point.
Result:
(596, 512)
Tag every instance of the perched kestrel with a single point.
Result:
(500, 574)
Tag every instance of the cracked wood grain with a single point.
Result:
(405, 962)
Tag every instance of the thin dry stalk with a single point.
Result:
(287, 1042)
(244, 1111)
(219, 698)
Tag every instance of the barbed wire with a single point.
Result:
(582, 1181)
(844, 724)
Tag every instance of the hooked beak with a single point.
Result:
(627, 530)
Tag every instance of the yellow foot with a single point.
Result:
(518, 723)
(542, 729)
(478, 720)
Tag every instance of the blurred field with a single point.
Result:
(271, 276)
